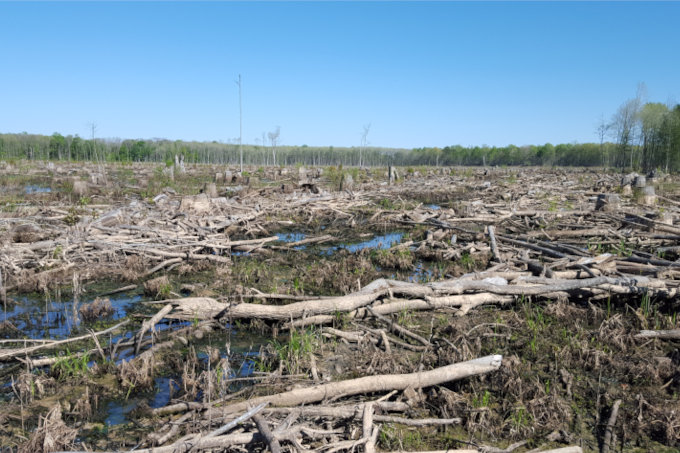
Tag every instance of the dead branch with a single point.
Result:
(149, 325)
(269, 438)
(398, 329)
(610, 427)
(8, 354)
(673, 334)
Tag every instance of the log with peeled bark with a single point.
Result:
(355, 411)
(205, 307)
(462, 293)
(367, 384)
(673, 334)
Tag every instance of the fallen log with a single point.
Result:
(367, 384)
(458, 287)
(487, 450)
(673, 334)
(345, 411)
(463, 302)
(207, 307)
(269, 438)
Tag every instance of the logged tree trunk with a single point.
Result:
(205, 307)
(368, 384)
(663, 334)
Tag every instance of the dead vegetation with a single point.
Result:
(98, 309)
(543, 301)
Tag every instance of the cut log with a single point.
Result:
(310, 308)
(269, 438)
(662, 334)
(149, 325)
(368, 384)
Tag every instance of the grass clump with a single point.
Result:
(292, 356)
(159, 288)
(71, 366)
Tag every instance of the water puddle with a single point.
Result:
(421, 274)
(434, 207)
(53, 319)
(291, 237)
(118, 410)
(242, 356)
(379, 242)
(39, 319)
(31, 189)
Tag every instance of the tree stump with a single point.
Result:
(640, 182)
(97, 179)
(607, 202)
(629, 179)
(196, 203)
(210, 189)
(302, 175)
(179, 163)
(80, 187)
(390, 174)
(347, 182)
(648, 196)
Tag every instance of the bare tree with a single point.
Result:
(240, 122)
(98, 159)
(625, 127)
(364, 142)
(602, 131)
(273, 139)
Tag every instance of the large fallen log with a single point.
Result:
(367, 384)
(450, 293)
(463, 302)
(191, 307)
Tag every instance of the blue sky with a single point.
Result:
(422, 74)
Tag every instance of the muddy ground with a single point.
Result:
(86, 248)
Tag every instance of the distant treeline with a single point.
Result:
(639, 136)
(75, 148)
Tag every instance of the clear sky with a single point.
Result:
(422, 74)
